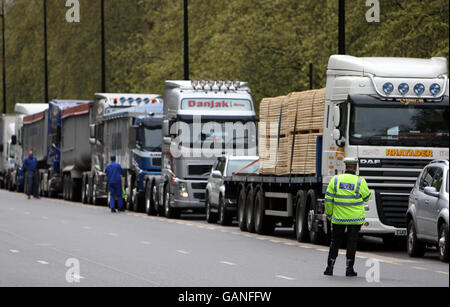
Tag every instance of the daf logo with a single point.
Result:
(369, 162)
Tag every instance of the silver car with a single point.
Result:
(220, 208)
(427, 215)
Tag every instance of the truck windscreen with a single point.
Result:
(152, 138)
(399, 125)
(230, 135)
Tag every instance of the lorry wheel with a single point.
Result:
(84, 198)
(242, 219)
(149, 205)
(263, 224)
(170, 213)
(443, 242)
(249, 210)
(414, 246)
(315, 236)
(301, 224)
(211, 217)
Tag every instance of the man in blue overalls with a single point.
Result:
(114, 172)
(30, 167)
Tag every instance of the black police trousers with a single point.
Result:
(337, 236)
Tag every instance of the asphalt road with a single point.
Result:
(52, 242)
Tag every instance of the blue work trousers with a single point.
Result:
(115, 190)
(32, 184)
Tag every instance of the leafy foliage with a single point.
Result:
(269, 43)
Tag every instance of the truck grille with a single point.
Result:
(199, 186)
(156, 161)
(393, 180)
(199, 170)
(392, 206)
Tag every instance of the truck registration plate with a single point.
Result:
(401, 233)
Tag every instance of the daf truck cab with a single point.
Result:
(392, 115)
(94, 181)
(202, 120)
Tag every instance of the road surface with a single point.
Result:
(52, 242)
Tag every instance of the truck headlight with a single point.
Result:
(183, 190)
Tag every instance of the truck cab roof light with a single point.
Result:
(211, 83)
(403, 88)
(237, 84)
(419, 89)
(388, 88)
(435, 89)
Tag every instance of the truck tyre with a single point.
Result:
(95, 200)
(211, 217)
(414, 246)
(301, 222)
(242, 218)
(170, 213)
(84, 197)
(225, 218)
(249, 211)
(443, 242)
(315, 237)
(149, 204)
(263, 224)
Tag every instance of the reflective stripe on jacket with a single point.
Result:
(345, 198)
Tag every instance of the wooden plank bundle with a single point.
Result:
(291, 149)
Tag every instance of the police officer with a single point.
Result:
(30, 167)
(113, 173)
(344, 203)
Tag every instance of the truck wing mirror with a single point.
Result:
(166, 128)
(92, 131)
(93, 141)
(167, 140)
(132, 137)
(13, 140)
(337, 116)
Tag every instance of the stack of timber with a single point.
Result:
(289, 127)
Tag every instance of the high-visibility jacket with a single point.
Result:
(345, 198)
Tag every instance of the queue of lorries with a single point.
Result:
(195, 149)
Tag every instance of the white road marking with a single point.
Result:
(275, 241)
(442, 272)
(304, 246)
(183, 252)
(145, 242)
(44, 217)
(14, 251)
(418, 268)
(228, 263)
(112, 234)
(87, 227)
(42, 262)
(289, 244)
(27, 213)
(321, 250)
(285, 277)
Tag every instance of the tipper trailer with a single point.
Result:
(16, 175)
(389, 113)
(68, 149)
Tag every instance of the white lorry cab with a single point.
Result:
(392, 115)
(202, 120)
